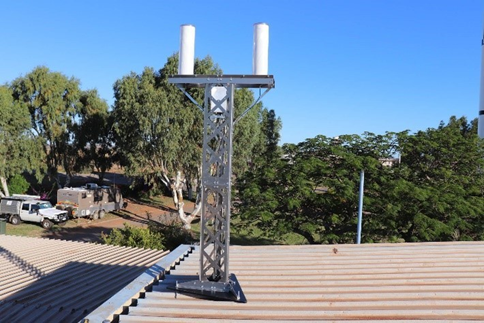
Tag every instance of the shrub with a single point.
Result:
(134, 237)
(165, 234)
(174, 235)
(171, 229)
(17, 184)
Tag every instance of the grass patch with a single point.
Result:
(160, 200)
(25, 230)
(35, 230)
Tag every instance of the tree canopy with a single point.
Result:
(423, 186)
(19, 150)
(57, 108)
(433, 192)
(94, 139)
(158, 130)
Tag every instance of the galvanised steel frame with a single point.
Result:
(218, 112)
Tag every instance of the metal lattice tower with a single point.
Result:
(218, 111)
(216, 184)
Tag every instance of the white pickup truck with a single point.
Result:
(31, 209)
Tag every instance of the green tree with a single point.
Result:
(18, 184)
(313, 189)
(51, 100)
(246, 131)
(19, 150)
(158, 130)
(442, 183)
(54, 103)
(270, 134)
(94, 135)
(435, 193)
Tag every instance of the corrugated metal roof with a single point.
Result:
(419, 282)
(44, 280)
(124, 298)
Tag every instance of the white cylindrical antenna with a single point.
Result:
(480, 122)
(186, 57)
(260, 55)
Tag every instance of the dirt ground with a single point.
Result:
(135, 214)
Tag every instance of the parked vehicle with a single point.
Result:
(31, 209)
(91, 200)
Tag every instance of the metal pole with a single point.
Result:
(360, 206)
(480, 122)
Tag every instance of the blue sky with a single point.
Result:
(341, 67)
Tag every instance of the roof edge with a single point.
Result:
(116, 304)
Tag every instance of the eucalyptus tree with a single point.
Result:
(19, 150)
(271, 130)
(53, 101)
(158, 130)
(267, 147)
(94, 138)
(155, 128)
